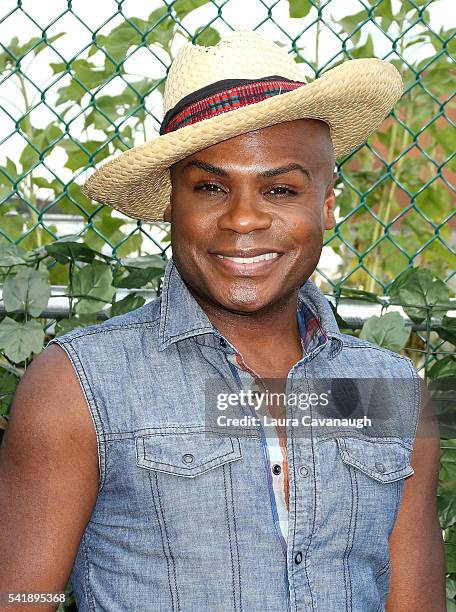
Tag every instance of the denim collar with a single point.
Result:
(182, 317)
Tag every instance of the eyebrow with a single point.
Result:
(285, 169)
(205, 166)
(270, 172)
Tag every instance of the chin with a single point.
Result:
(243, 299)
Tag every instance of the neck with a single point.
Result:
(274, 325)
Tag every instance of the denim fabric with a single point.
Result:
(274, 447)
(183, 519)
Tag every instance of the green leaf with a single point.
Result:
(72, 201)
(29, 157)
(12, 255)
(132, 244)
(384, 10)
(89, 74)
(65, 325)
(145, 261)
(184, 7)
(135, 278)
(420, 295)
(136, 272)
(121, 38)
(31, 45)
(451, 587)
(442, 133)
(446, 503)
(93, 281)
(11, 169)
(442, 393)
(450, 556)
(451, 594)
(163, 28)
(388, 331)
(366, 50)
(443, 368)
(8, 386)
(19, 340)
(46, 43)
(450, 549)
(447, 330)
(107, 109)
(28, 291)
(299, 8)
(47, 136)
(207, 36)
(350, 23)
(359, 294)
(127, 304)
(448, 461)
(13, 226)
(43, 140)
(437, 77)
(81, 154)
(451, 604)
(70, 93)
(66, 251)
(339, 320)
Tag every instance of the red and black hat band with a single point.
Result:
(223, 96)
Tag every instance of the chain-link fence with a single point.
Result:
(80, 82)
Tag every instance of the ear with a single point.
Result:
(167, 213)
(329, 219)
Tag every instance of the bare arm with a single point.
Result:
(48, 479)
(416, 544)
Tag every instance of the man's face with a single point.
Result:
(266, 194)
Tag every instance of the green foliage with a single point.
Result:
(130, 302)
(93, 279)
(420, 292)
(27, 291)
(8, 385)
(19, 339)
(388, 331)
(299, 8)
(393, 195)
(93, 282)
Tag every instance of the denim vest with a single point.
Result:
(183, 520)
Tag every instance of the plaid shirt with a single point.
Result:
(274, 446)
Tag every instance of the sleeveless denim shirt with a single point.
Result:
(183, 519)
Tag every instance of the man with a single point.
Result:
(117, 474)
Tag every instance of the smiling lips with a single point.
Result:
(243, 264)
(248, 260)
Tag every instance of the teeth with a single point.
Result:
(248, 260)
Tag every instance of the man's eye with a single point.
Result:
(209, 187)
(282, 190)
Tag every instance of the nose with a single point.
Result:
(244, 213)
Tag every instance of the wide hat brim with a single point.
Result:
(352, 98)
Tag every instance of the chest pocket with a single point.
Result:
(186, 454)
(186, 483)
(382, 459)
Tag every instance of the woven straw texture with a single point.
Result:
(352, 98)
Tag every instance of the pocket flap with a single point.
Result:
(185, 454)
(380, 458)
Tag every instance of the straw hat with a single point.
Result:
(242, 83)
